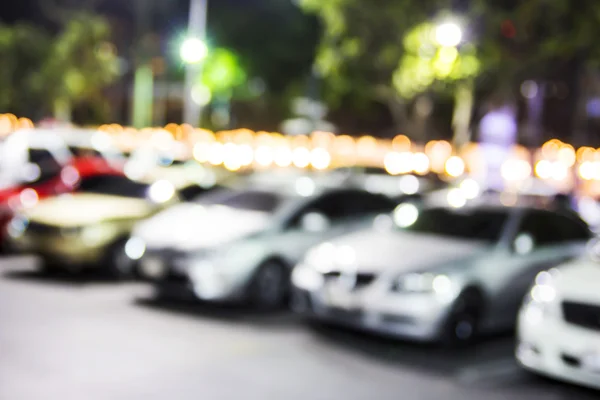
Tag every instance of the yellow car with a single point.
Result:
(89, 228)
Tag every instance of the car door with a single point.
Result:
(331, 215)
(538, 244)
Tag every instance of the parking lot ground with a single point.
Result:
(83, 337)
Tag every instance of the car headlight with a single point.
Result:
(423, 283)
(17, 227)
(328, 257)
(537, 303)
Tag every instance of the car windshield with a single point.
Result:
(168, 162)
(479, 224)
(252, 200)
(42, 167)
(84, 152)
(110, 155)
(113, 185)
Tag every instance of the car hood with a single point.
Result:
(191, 226)
(81, 209)
(398, 252)
(580, 281)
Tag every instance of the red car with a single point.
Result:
(44, 176)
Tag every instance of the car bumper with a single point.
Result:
(57, 251)
(550, 346)
(402, 317)
(170, 273)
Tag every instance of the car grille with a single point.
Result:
(583, 315)
(170, 258)
(362, 279)
(42, 229)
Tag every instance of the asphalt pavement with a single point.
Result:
(84, 337)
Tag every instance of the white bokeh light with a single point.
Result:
(193, 50)
(406, 215)
(448, 34)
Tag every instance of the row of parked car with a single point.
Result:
(410, 257)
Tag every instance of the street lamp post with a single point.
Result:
(193, 51)
(143, 85)
(450, 35)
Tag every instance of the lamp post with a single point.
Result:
(449, 35)
(193, 51)
(143, 85)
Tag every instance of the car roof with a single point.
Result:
(512, 208)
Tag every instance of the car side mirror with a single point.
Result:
(314, 222)
(523, 244)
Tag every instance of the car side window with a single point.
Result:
(360, 203)
(193, 192)
(572, 228)
(542, 227)
(339, 206)
(48, 167)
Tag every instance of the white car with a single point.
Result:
(28, 154)
(240, 244)
(435, 273)
(559, 323)
(92, 144)
(378, 180)
(148, 165)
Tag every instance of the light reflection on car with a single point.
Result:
(440, 274)
(240, 244)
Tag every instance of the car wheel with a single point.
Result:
(120, 266)
(462, 325)
(270, 285)
(47, 267)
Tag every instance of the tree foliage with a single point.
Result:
(362, 44)
(40, 71)
(370, 48)
(82, 61)
(222, 72)
(23, 49)
(424, 63)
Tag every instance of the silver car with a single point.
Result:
(241, 244)
(436, 273)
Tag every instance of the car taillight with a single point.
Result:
(26, 199)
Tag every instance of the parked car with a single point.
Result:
(436, 273)
(149, 164)
(35, 164)
(559, 322)
(94, 150)
(378, 180)
(240, 244)
(88, 228)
